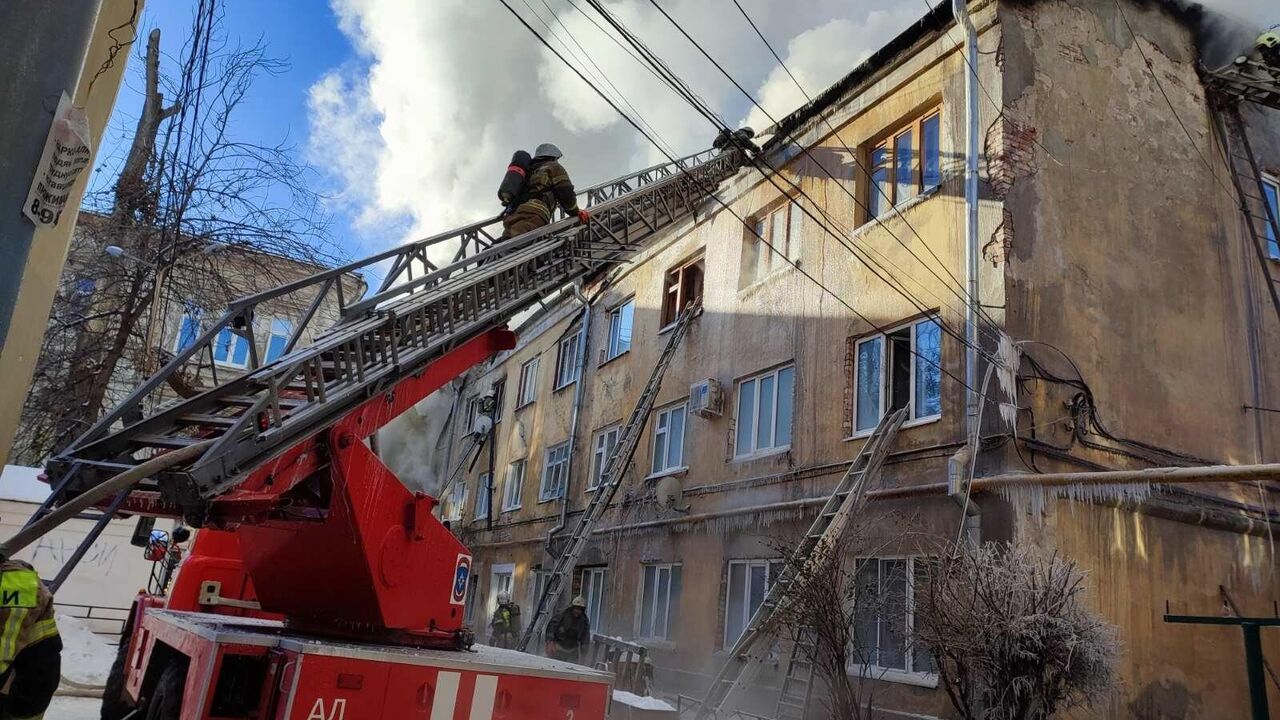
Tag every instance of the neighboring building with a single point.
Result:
(1108, 237)
(192, 293)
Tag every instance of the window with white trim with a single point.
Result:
(885, 618)
(482, 495)
(668, 438)
(1271, 186)
(602, 447)
(764, 412)
(748, 581)
(454, 501)
(906, 163)
(498, 392)
(231, 349)
(189, 327)
(901, 367)
(540, 579)
(659, 601)
(593, 591)
(621, 319)
(555, 472)
(501, 580)
(513, 486)
(528, 389)
(281, 330)
(569, 360)
(774, 238)
(682, 286)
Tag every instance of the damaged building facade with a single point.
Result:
(1112, 252)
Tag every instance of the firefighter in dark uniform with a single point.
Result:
(504, 627)
(569, 634)
(30, 648)
(546, 185)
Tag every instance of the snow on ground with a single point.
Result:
(86, 658)
(74, 708)
(640, 702)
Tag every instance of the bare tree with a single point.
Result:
(1011, 634)
(189, 194)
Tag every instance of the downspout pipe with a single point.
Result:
(577, 410)
(961, 12)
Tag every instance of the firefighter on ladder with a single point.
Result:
(532, 188)
(30, 648)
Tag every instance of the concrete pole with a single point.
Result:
(49, 48)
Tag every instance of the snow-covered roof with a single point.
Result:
(22, 484)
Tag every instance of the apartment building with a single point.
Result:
(1111, 250)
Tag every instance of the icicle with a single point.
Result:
(1009, 357)
(1032, 498)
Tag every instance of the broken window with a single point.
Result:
(659, 601)
(555, 470)
(482, 495)
(528, 383)
(513, 487)
(884, 615)
(906, 162)
(605, 441)
(772, 243)
(748, 582)
(668, 438)
(568, 360)
(764, 412)
(681, 287)
(902, 367)
(620, 320)
(1272, 188)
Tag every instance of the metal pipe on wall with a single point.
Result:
(961, 12)
(583, 344)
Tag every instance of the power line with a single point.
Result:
(714, 197)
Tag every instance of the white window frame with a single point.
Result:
(771, 566)
(498, 584)
(513, 485)
(555, 473)
(537, 587)
(196, 313)
(909, 676)
(914, 419)
(1274, 183)
(649, 605)
(662, 436)
(593, 579)
(613, 345)
(279, 327)
(236, 340)
(527, 391)
(482, 495)
(568, 360)
(600, 453)
(499, 392)
(754, 451)
(765, 244)
(451, 508)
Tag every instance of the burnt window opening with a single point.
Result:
(682, 286)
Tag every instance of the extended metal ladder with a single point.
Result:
(843, 505)
(797, 684)
(379, 340)
(610, 480)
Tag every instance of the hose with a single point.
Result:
(117, 483)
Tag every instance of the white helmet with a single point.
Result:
(504, 598)
(547, 150)
(580, 602)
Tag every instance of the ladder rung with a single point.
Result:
(173, 442)
(248, 401)
(205, 420)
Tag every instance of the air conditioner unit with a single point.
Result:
(706, 399)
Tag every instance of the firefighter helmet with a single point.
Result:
(580, 602)
(504, 598)
(1269, 40)
(548, 150)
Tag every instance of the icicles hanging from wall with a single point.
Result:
(721, 525)
(1009, 357)
(1033, 498)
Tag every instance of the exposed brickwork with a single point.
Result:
(1010, 153)
(996, 251)
(1073, 53)
(846, 422)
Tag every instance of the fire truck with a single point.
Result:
(319, 587)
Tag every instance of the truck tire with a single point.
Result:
(114, 705)
(166, 699)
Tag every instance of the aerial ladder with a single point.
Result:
(610, 480)
(840, 510)
(328, 539)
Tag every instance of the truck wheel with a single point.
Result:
(166, 699)
(114, 705)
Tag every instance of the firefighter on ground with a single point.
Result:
(30, 648)
(569, 634)
(544, 185)
(504, 627)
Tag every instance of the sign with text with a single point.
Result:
(66, 154)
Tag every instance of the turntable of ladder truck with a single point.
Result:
(318, 587)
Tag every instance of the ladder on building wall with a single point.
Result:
(797, 684)
(610, 480)
(836, 514)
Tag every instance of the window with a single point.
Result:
(528, 390)
(774, 240)
(593, 590)
(281, 330)
(569, 360)
(501, 580)
(498, 393)
(451, 508)
(668, 438)
(749, 580)
(659, 601)
(473, 412)
(620, 319)
(681, 287)
(764, 412)
(482, 495)
(605, 441)
(1272, 188)
(513, 487)
(189, 328)
(555, 472)
(906, 163)
(230, 349)
(884, 615)
(540, 579)
(901, 367)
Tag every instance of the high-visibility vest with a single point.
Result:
(26, 611)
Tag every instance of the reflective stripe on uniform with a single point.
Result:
(10, 635)
(41, 630)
